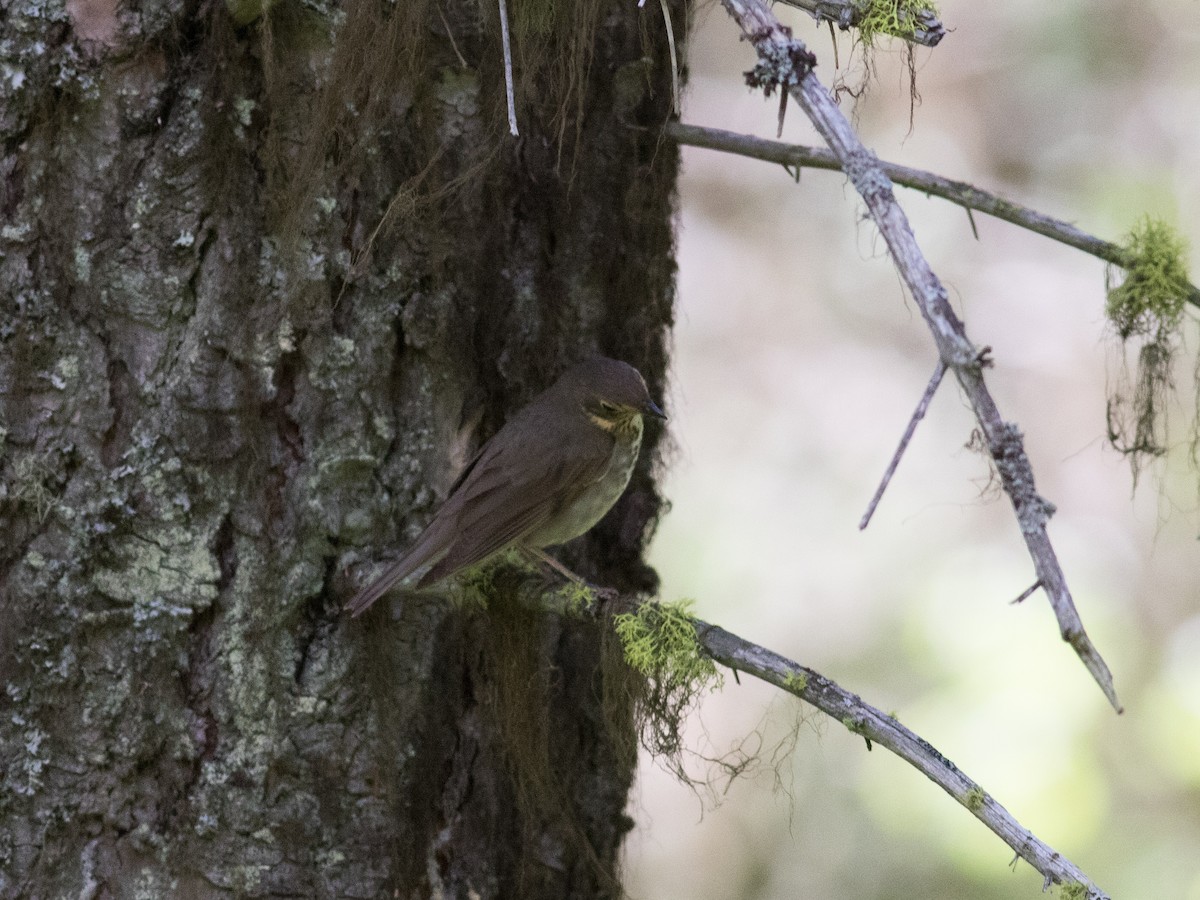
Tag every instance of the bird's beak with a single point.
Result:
(653, 409)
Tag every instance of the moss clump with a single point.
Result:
(974, 799)
(893, 18)
(1073, 891)
(500, 573)
(576, 598)
(1147, 306)
(796, 682)
(1149, 301)
(658, 642)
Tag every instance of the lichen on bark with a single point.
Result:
(263, 285)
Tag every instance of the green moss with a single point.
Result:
(660, 642)
(243, 12)
(1073, 891)
(477, 584)
(658, 645)
(576, 598)
(853, 725)
(1150, 300)
(1147, 307)
(974, 799)
(893, 18)
(796, 682)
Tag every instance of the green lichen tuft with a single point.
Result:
(974, 799)
(1147, 308)
(1149, 301)
(498, 573)
(796, 682)
(892, 18)
(660, 643)
(1073, 891)
(576, 598)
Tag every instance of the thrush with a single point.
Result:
(547, 476)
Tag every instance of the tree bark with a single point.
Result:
(267, 281)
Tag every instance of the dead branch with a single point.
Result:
(785, 63)
(917, 416)
(960, 192)
(927, 29)
(879, 728)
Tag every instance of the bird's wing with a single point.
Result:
(502, 500)
(428, 545)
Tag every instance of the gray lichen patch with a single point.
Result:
(169, 573)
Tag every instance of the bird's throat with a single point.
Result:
(627, 428)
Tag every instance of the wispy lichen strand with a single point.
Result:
(1147, 307)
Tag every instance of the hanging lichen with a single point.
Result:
(1149, 301)
(876, 19)
(1146, 308)
(893, 18)
(659, 642)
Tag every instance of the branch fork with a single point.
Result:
(783, 59)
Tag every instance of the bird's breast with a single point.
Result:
(596, 499)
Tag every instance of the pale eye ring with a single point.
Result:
(608, 407)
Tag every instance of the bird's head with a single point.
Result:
(612, 394)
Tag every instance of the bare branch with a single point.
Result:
(877, 727)
(960, 192)
(917, 416)
(846, 14)
(785, 62)
(1026, 594)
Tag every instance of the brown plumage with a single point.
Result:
(547, 476)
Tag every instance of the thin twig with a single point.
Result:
(917, 416)
(676, 101)
(1026, 594)
(508, 70)
(877, 727)
(927, 29)
(959, 192)
(785, 62)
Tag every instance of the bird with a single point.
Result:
(547, 476)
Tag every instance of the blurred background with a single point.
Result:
(797, 364)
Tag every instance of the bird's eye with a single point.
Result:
(608, 407)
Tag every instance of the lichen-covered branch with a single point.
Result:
(960, 192)
(786, 63)
(879, 728)
(918, 23)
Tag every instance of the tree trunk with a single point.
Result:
(267, 282)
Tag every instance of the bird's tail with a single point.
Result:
(426, 549)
